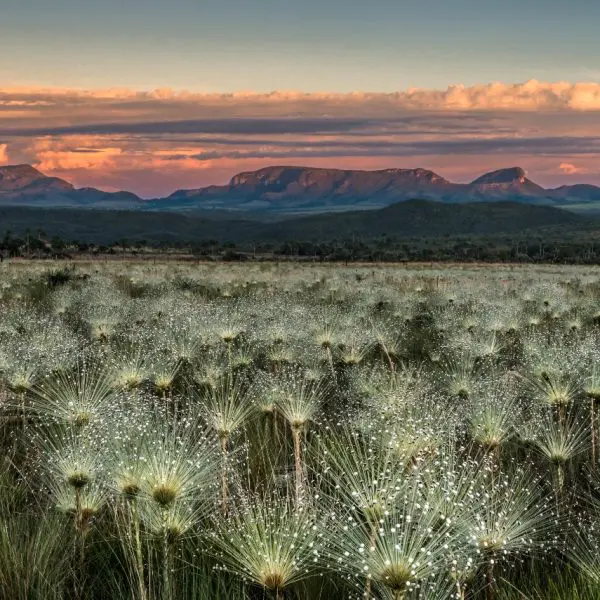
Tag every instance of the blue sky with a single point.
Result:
(325, 45)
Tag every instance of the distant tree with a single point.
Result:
(57, 244)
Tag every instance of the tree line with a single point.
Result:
(581, 248)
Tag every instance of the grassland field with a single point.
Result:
(177, 430)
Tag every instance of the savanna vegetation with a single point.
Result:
(284, 431)
(411, 231)
(576, 247)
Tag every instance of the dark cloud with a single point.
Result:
(210, 126)
(557, 146)
(405, 124)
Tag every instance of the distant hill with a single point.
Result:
(22, 185)
(24, 179)
(414, 218)
(294, 190)
(425, 218)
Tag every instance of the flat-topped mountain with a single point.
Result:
(293, 188)
(297, 190)
(338, 181)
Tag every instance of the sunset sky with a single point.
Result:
(152, 96)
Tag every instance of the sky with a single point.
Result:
(152, 96)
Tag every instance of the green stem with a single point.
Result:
(489, 588)
(80, 533)
(77, 507)
(166, 575)
(139, 556)
(330, 360)
(593, 429)
(560, 482)
(23, 415)
(560, 472)
(372, 540)
(390, 363)
(224, 482)
(297, 464)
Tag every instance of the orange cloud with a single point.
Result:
(530, 95)
(75, 152)
(4, 154)
(114, 164)
(571, 169)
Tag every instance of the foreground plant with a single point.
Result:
(271, 543)
(181, 466)
(410, 544)
(299, 402)
(76, 399)
(128, 482)
(74, 465)
(226, 408)
(559, 443)
(507, 518)
(591, 389)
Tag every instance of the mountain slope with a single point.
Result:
(429, 219)
(24, 179)
(508, 184)
(24, 185)
(510, 176)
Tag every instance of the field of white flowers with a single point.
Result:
(180, 431)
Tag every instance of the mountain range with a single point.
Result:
(294, 190)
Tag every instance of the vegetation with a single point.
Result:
(299, 432)
(554, 247)
(410, 231)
